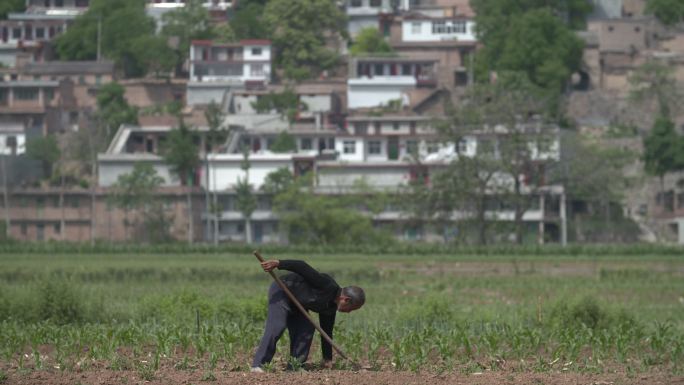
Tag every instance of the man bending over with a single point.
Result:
(316, 292)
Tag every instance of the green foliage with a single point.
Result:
(180, 152)
(224, 33)
(123, 22)
(136, 189)
(669, 12)
(113, 109)
(300, 30)
(60, 302)
(529, 37)
(154, 54)
(285, 103)
(370, 41)
(8, 6)
(187, 23)
(663, 148)
(245, 199)
(284, 143)
(46, 150)
(248, 22)
(278, 181)
(313, 218)
(590, 313)
(654, 82)
(214, 116)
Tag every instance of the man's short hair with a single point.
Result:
(356, 295)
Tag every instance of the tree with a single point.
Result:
(284, 142)
(662, 149)
(187, 23)
(180, 153)
(46, 150)
(654, 82)
(135, 191)
(113, 109)
(215, 136)
(592, 172)
(370, 41)
(224, 33)
(669, 12)
(123, 23)
(8, 6)
(531, 36)
(514, 142)
(311, 218)
(301, 29)
(154, 55)
(286, 103)
(245, 200)
(248, 21)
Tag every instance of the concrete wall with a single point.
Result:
(204, 94)
(379, 90)
(225, 169)
(109, 170)
(332, 177)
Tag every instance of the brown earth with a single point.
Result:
(171, 376)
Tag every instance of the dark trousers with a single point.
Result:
(283, 314)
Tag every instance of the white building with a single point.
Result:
(217, 68)
(157, 8)
(378, 81)
(419, 28)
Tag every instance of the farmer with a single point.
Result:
(314, 291)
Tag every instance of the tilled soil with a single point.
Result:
(334, 377)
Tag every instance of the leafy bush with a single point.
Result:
(590, 313)
(60, 302)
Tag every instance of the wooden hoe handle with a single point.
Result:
(301, 309)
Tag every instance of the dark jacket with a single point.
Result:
(316, 292)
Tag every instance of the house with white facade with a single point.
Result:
(216, 68)
(381, 80)
(217, 8)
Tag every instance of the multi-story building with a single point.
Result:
(31, 31)
(218, 9)
(217, 68)
(381, 80)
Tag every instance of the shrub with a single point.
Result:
(60, 302)
(589, 312)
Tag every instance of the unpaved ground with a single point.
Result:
(173, 377)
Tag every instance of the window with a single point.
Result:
(462, 146)
(349, 147)
(11, 143)
(40, 33)
(256, 70)
(412, 147)
(406, 69)
(374, 147)
(456, 26)
(416, 28)
(432, 147)
(375, 3)
(26, 93)
(49, 94)
(356, 3)
(438, 27)
(98, 79)
(360, 128)
(379, 69)
(395, 126)
(16, 33)
(240, 228)
(306, 144)
(40, 203)
(59, 3)
(256, 51)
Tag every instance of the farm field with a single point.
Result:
(467, 318)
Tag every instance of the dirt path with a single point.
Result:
(173, 377)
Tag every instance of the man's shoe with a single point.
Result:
(256, 369)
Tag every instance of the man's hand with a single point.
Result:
(327, 364)
(270, 265)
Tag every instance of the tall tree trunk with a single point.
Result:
(191, 220)
(248, 230)
(481, 221)
(93, 186)
(518, 213)
(5, 197)
(127, 224)
(217, 216)
(62, 220)
(208, 233)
